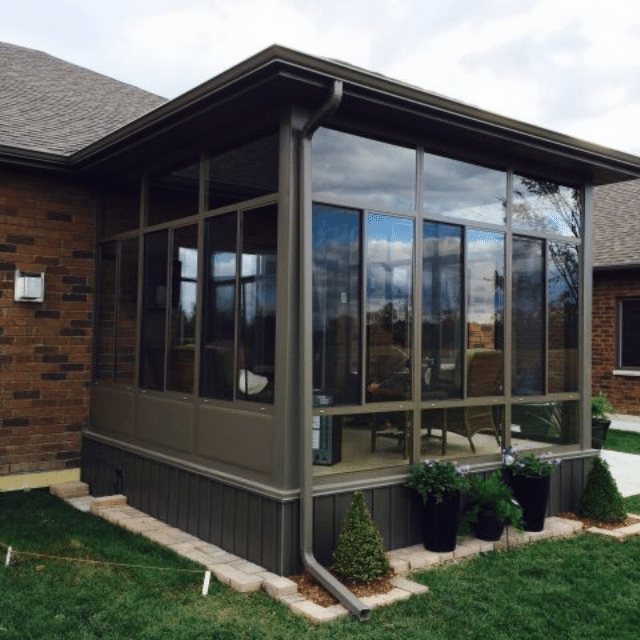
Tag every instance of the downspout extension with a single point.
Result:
(336, 588)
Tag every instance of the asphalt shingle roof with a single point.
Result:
(616, 228)
(52, 106)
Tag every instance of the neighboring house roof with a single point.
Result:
(51, 106)
(616, 225)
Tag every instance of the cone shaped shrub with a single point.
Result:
(359, 554)
(600, 498)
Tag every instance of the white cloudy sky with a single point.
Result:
(569, 65)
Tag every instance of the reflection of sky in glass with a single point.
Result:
(389, 256)
(545, 207)
(485, 264)
(189, 259)
(373, 172)
(563, 274)
(463, 190)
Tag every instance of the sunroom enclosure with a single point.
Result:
(277, 313)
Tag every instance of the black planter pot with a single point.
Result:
(533, 496)
(441, 521)
(599, 430)
(488, 526)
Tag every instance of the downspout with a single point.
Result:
(352, 604)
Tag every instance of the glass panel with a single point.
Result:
(528, 316)
(539, 423)
(127, 322)
(462, 190)
(389, 261)
(245, 172)
(546, 207)
(106, 321)
(218, 336)
(121, 209)
(630, 347)
(441, 311)
(343, 444)
(462, 432)
(377, 174)
(183, 310)
(257, 304)
(154, 313)
(336, 305)
(564, 289)
(485, 313)
(174, 195)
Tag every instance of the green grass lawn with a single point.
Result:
(586, 587)
(625, 441)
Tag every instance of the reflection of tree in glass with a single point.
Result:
(565, 274)
(546, 206)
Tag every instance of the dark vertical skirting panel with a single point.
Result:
(215, 519)
(254, 527)
(270, 543)
(241, 522)
(204, 503)
(381, 506)
(323, 528)
(228, 511)
(183, 499)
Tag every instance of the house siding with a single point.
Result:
(609, 287)
(46, 224)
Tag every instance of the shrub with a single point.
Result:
(359, 554)
(601, 499)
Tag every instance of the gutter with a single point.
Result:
(336, 588)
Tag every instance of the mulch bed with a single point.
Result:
(601, 524)
(311, 590)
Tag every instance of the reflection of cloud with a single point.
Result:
(350, 166)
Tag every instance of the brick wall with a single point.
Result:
(46, 224)
(608, 289)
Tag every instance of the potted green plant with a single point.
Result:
(492, 506)
(529, 476)
(600, 423)
(440, 485)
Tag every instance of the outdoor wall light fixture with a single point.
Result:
(29, 287)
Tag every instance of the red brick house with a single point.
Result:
(49, 110)
(616, 295)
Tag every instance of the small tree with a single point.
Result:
(359, 554)
(601, 499)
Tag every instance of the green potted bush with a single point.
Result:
(492, 506)
(600, 422)
(440, 485)
(529, 476)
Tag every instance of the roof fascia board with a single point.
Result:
(28, 158)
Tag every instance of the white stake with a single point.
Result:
(8, 560)
(205, 585)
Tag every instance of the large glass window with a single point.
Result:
(239, 312)
(257, 304)
(361, 170)
(174, 195)
(127, 312)
(337, 235)
(218, 340)
(528, 316)
(629, 349)
(389, 280)
(120, 209)
(106, 320)
(182, 323)
(462, 190)
(117, 326)
(546, 207)
(563, 276)
(154, 310)
(244, 172)
(442, 287)
(485, 263)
